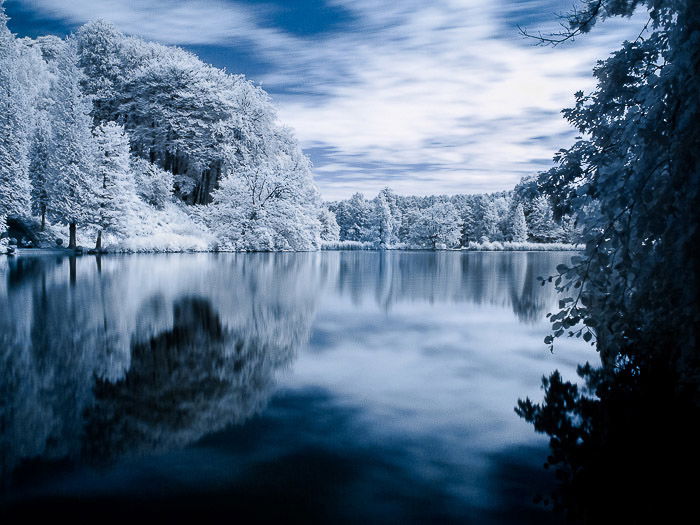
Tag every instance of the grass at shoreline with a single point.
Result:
(332, 246)
(495, 246)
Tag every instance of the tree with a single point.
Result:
(386, 218)
(115, 190)
(437, 226)
(634, 183)
(489, 220)
(354, 218)
(571, 232)
(15, 130)
(518, 225)
(541, 224)
(270, 203)
(153, 184)
(100, 52)
(39, 168)
(192, 119)
(70, 186)
(471, 222)
(409, 215)
(330, 231)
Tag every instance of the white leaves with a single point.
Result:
(16, 120)
(438, 224)
(70, 188)
(114, 181)
(270, 201)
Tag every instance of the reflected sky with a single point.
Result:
(332, 385)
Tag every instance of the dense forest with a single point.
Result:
(132, 145)
(117, 138)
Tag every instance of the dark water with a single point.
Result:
(333, 386)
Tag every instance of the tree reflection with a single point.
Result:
(624, 447)
(184, 382)
(499, 279)
(142, 353)
(111, 356)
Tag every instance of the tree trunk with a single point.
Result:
(71, 238)
(98, 243)
(43, 217)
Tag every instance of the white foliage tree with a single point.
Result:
(489, 220)
(437, 226)
(70, 186)
(518, 224)
(99, 47)
(354, 217)
(15, 120)
(153, 184)
(541, 222)
(270, 202)
(386, 219)
(115, 189)
(39, 167)
(330, 231)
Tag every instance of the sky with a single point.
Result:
(426, 97)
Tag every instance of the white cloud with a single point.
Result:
(169, 21)
(439, 84)
(448, 85)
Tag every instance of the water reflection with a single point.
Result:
(402, 366)
(502, 279)
(146, 353)
(183, 383)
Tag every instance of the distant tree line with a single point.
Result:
(451, 221)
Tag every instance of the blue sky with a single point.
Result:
(440, 96)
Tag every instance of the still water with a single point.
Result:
(332, 386)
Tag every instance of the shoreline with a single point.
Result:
(550, 247)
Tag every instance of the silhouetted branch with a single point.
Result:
(574, 28)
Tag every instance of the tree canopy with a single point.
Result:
(633, 180)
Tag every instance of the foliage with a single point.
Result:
(70, 188)
(390, 219)
(330, 231)
(438, 226)
(271, 205)
(632, 180)
(114, 185)
(541, 225)
(639, 165)
(518, 224)
(153, 184)
(15, 121)
(100, 131)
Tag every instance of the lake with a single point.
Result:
(329, 386)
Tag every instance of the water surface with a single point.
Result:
(332, 386)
